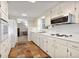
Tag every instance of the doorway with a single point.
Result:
(22, 32)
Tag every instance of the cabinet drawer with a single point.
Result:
(61, 41)
(73, 45)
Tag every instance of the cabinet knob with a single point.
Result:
(67, 50)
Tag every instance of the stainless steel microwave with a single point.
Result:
(63, 19)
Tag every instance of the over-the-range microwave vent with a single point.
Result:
(59, 20)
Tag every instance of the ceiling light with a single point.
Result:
(19, 20)
(24, 14)
(32, 1)
(43, 17)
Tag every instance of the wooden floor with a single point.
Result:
(27, 50)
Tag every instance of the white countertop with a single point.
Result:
(74, 38)
(69, 29)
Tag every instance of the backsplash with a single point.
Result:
(65, 29)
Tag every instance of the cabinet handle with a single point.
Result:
(70, 54)
(0, 55)
(0, 6)
(67, 50)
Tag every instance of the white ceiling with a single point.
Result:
(17, 8)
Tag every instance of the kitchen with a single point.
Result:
(54, 28)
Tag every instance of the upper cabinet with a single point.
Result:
(4, 10)
(62, 9)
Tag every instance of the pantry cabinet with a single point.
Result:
(5, 44)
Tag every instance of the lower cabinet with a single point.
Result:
(5, 49)
(60, 51)
(73, 49)
(55, 47)
(45, 47)
(51, 47)
(72, 53)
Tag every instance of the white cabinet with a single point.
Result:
(4, 7)
(73, 49)
(4, 10)
(45, 43)
(5, 49)
(51, 47)
(60, 51)
(72, 53)
(5, 44)
(60, 48)
(56, 47)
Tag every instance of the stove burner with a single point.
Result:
(61, 35)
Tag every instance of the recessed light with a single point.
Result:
(24, 14)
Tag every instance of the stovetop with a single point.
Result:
(61, 35)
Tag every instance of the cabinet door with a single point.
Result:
(50, 47)
(41, 41)
(37, 39)
(73, 53)
(4, 7)
(33, 38)
(60, 51)
(45, 45)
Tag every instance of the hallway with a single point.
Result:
(22, 39)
